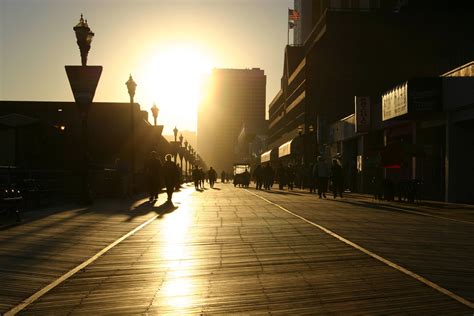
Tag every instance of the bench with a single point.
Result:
(10, 201)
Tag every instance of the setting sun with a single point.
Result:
(173, 79)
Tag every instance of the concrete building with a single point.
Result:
(235, 96)
(417, 133)
(305, 24)
(340, 61)
(46, 135)
(312, 10)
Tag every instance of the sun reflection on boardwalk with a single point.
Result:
(177, 291)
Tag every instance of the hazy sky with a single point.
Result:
(144, 37)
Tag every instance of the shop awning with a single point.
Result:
(265, 157)
(291, 147)
(285, 149)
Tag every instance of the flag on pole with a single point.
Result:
(293, 15)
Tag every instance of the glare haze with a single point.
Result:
(165, 45)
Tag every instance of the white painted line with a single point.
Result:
(375, 256)
(69, 274)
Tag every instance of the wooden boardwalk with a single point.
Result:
(228, 251)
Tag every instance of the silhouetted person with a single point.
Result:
(268, 177)
(337, 178)
(311, 182)
(179, 176)
(212, 176)
(291, 176)
(321, 173)
(258, 177)
(281, 176)
(153, 174)
(246, 178)
(170, 176)
(195, 174)
(223, 176)
(202, 177)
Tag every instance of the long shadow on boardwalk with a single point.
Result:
(278, 192)
(147, 207)
(381, 207)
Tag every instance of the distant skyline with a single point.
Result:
(165, 45)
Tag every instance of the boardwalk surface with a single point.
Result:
(231, 251)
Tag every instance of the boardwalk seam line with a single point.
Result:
(16, 309)
(375, 256)
(426, 214)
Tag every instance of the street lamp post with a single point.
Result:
(131, 87)
(191, 151)
(84, 37)
(300, 132)
(181, 152)
(154, 112)
(311, 144)
(186, 158)
(175, 132)
(83, 81)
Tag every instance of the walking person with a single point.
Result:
(281, 176)
(202, 178)
(212, 176)
(291, 176)
(337, 178)
(310, 177)
(267, 176)
(170, 177)
(195, 174)
(258, 177)
(223, 176)
(179, 176)
(153, 174)
(321, 173)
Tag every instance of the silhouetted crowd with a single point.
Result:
(316, 177)
(200, 177)
(158, 174)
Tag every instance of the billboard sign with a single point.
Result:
(265, 157)
(416, 95)
(362, 114)
(395, 102)
(285, 149)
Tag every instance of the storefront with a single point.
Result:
(291, 152)
(429, 136)
(270, 157)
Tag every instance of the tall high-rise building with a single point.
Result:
(312, 10)
(234, 97)
(305, 24)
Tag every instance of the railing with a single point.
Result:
(37, 187)
(41, 186)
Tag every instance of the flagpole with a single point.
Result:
(288, 35)
(288, 31)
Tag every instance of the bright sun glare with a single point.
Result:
(173, 78)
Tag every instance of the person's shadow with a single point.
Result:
(149, 206)
(165, 208)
